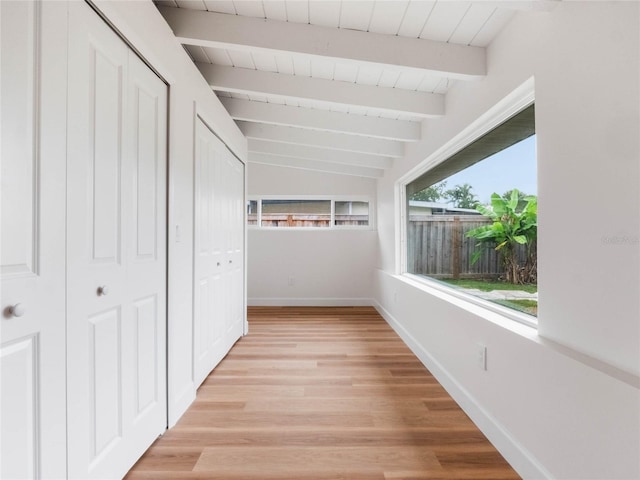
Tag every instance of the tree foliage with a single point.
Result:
(522, 202)
(431, 194)
(511, 227)
(461, 196)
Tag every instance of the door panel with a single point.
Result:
(219, 300)
(146, 107)
(20, 197)
(105, 127)
(201, 329)
(116, 251)
(146, 355)
(20, 377)
(105, 377)
(32, 341)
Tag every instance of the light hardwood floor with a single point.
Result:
(322, 394)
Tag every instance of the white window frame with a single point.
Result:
(332, 198)
(513, 103)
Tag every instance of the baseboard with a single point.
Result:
(520, 458)
(310, 302)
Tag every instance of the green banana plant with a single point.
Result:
(511, 227)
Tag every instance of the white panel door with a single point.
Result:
(218, 251)
(116, 248)
(234, 173)
(32, 269)
(208, 296)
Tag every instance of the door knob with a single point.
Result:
(17, 310)
(230, 261)
(217, 264)
(103, 290)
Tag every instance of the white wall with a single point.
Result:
(567, 408)
(143, 26)
(332, 267)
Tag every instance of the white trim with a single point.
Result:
(310, 302)
(520, 458)
(400, 197)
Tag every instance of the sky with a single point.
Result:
(514, 167)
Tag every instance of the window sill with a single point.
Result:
(503, 316)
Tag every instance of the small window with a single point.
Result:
(351, 213)
(472, 219)
(308, 212)
(252, 212)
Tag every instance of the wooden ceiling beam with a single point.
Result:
(217, 30)
(284, 115)
(319, 154)
(277, 85)
(317, 138)
(315, 165)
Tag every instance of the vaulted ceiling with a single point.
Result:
(336, 86)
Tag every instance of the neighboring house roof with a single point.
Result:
(445, 207)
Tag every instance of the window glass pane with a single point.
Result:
(476, 229)
(351, 213)
(296, 213)
(252, 212)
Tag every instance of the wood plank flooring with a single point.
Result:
(322, 394)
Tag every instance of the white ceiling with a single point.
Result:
(336, 86)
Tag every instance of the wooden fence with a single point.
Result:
(437, 244)
(438, 247)
(307, 220)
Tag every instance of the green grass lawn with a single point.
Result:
(489, 285)
(526, 306)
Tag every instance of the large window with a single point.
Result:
(320, 213)
(472, 218)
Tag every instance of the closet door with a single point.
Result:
(116, 250)
(208, 296)
(32, 196)
(234, 170)
(218, 299)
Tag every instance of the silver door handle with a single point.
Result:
(17, 310)
(103, 290)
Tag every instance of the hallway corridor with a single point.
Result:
(318, 393)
